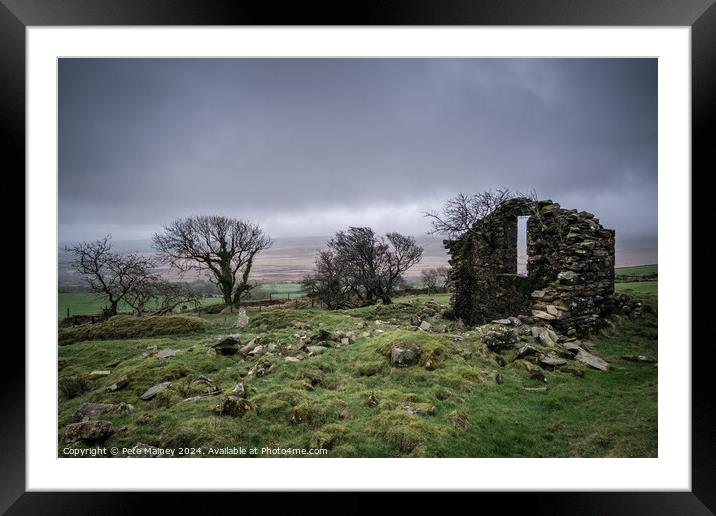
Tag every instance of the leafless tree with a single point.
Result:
(459, 213)
(430, 279)
(107, 272)
(157, 296)
(223, 247)
(329, 282)
(443, 277)
(359, 266)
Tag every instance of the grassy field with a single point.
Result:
(351, 401)
(638, 270)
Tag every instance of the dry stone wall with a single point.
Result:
(570, 268)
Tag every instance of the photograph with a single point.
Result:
(357, 257)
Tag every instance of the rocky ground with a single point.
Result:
(381, 381)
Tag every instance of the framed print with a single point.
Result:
(445, 249)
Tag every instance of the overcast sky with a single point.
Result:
(310, 146)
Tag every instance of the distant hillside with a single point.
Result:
(289, 259)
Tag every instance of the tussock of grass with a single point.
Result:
(127, 327)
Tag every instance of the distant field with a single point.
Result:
(82, 303)
(637, 270)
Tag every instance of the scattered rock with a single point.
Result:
(154, 390)
(572, 347)
(253, 344)
(539, 294)
(227, 346)
(425, 326)
(119, 384)
(301, 325)
(239, 390)
(499, 339)
(420, 408)
(243, 319)
(89, 410)
(415, 320)
(257, 350)
(405, 354)
(316, 350)
(552, 360)
(536, 389)
(499, 380)
(166, 353)
(114, 363)
(527, 350)
(100, 373)
(292, 359)
(89, 432)
(591, 360)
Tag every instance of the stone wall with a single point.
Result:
(570, 268)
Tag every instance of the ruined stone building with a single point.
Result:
(570, 268)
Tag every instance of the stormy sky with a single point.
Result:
(309, 146)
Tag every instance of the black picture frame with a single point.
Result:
(16, 15)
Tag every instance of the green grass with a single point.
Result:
(638, 270)
(650, 288)
(323, 400)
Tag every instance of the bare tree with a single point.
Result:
(223, 247)
(443, 277)
(329, 282)
(107, 272)
(430, 279)
(359, 266)
(159, 297)
(459, 213)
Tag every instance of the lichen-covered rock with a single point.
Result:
(405, 354)
(154, 390)
(89, 432)
(500, 339)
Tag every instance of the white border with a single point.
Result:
(670, 471)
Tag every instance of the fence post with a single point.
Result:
(68, 312)
(289, 296)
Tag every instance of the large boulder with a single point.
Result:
(227, 346)
(89, 432)
(591, 360)
(89, 410)
(405, 354)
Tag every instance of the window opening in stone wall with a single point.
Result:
(522, 245)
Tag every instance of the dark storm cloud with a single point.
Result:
(305, 146)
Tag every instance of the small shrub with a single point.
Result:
(72, 386)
